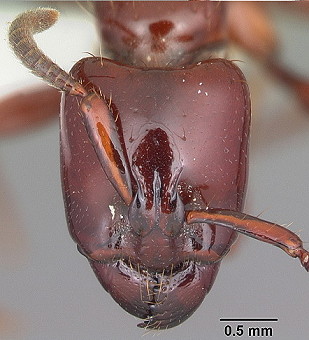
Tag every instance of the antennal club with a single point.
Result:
(21, 40)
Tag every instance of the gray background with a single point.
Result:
(48, 291)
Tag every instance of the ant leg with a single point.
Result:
(26, 109)
(300, 86)
(250, 27)
(254, 227)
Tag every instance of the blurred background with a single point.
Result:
(48, 290)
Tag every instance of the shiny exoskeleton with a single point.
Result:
(154, 153)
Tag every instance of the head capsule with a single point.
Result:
(156, 273)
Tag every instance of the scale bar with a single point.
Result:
(248, 319)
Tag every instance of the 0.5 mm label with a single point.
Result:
(238, 327)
